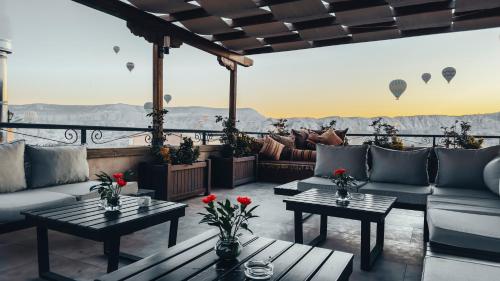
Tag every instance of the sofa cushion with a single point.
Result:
(407, 194)
(352, 157)
(491, 175)
(463, 192)
(321, 183)
(405, 167)
(81, 190)
(271, 149)
(461, 203)
(329, 137)
(303, 155)
(445, 268)
(288, 141)
(476, 228)
(16, 202)
(463, 168)
(300, 138)
(57, 165)
(12, 173)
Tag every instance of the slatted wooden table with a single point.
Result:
(195, 259)
(85, 219)
(373, 208)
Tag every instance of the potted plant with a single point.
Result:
(109, 190)
(462, 139)
(229, 219)
(237, 164)
(385, 135)
(176, 173)
(343, 182)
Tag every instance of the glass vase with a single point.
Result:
(112, 204)
(228, 249)
(342, 196)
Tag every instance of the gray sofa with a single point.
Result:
(40, 177)
(461, 205)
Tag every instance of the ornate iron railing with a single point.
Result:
(72, 134)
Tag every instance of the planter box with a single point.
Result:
(176, 182)
(231, 172)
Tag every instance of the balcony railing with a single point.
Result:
(126, 136)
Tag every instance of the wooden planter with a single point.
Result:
(231, 172)
(176, 182)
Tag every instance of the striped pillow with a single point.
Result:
(303, 155)
(271, 149)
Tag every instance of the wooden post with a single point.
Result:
(157, 92)
(232, 93)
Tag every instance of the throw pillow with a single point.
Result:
(394, 166)
(342, 134)
(353, 158)
(329, 137)
(300, 138)
(463, 168)
(491, 175)
(271, 149)
(12, 173)
(288, 141)
(57, 165)
(303, 155)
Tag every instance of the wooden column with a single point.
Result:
(232, 67)
(157, 92)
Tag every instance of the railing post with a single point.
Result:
(204, 138)
(83, 138)
(434, 141)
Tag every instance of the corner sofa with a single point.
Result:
(462, 206)
(33, 177)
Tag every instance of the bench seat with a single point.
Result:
(406, 194)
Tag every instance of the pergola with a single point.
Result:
(231, 29)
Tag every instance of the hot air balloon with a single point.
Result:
(116, 49)
(426, 77)
(449, 73)
(167, 98)
(148, 107)
(397, 87)
(130, 66)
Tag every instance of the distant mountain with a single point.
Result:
(194, 117)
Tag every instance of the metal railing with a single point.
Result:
(84, 134)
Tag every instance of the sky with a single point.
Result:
(63, 55)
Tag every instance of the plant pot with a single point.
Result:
(342, 196)
(111, 205)
(228, 249)
(176, 182)
(231, 172)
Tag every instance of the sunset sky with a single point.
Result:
(63, 55)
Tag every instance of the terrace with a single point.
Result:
(231, 33)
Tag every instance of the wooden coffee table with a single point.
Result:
(85, 219)
(195, 259)
(373, 208)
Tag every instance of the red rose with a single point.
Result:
(209, 198)
(121, 182)
(339, 172)
(118, 176)
(244, 200)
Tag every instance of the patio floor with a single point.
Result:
(83, 259)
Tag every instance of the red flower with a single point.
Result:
(339, 172)
(118, 176)
(121, 182)
(209, 198)
(244, 200)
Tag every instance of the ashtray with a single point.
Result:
(259, 269)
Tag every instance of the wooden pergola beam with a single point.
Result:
(154, 25)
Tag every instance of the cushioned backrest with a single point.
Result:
(12, 174)
(351, 157)
(57, 165)
(393, 166)
(463, 168)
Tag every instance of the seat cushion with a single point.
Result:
(353, 158)
(405, 167)
(468, 227)
(16, 202)
(12, 175)
(463, 192)
(406, 194)
(81, 190)
(320, 183)
(463, 168)
(461, 203)
(57, 165)
(445, 268)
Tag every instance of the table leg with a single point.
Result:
(380, 234)
(112, 245)
(365, 245)
(299, 235)
(172, 235)
(43, 250)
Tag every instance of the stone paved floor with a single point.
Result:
(83, 259)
